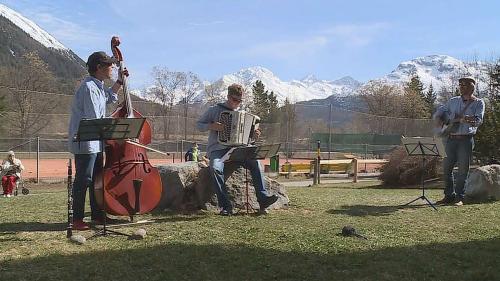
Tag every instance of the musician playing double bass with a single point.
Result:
(209, 121)
(462, 115)
(90, 101)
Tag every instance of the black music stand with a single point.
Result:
(103, 129)
(424, 147)
(242, 153)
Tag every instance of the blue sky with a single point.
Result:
(330, 39)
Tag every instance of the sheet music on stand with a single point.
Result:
(241, 153)
(427, 146)
(423, 147)
(109, 128)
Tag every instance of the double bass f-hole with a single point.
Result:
(146, 169)
(127, 163)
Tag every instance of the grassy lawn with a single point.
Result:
(300, 243)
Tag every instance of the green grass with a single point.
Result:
(300, 243)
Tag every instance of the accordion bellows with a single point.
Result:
(238, 128)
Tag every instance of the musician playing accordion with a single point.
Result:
(209, 121)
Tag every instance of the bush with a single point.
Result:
(404, 170)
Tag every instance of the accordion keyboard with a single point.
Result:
(227, 120)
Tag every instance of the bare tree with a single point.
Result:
(166, 90)
(31, 77)
(214, 93)
(190, 87)
(381, 98)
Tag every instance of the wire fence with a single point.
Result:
(37, 133)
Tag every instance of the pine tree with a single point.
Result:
(430, 98)
(260, 105)
(273, 108)
(486, 139)
(416, 86)
(415, 105)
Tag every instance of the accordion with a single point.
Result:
(238, 129)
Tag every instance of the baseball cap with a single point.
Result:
(100, 58)
(468, 78)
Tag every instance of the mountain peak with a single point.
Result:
(31, 28)
(310, 78)
(347, 81)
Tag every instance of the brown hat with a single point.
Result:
(99, 58)
(468, 78)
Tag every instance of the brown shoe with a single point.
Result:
(446, 201)
(80, 225)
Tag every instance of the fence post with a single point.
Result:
(38, 159)
(355, 169)
(314, 171)
(318, 161)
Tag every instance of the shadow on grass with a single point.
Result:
(371, 210)
(476, 260)
(32, 226)
(38, 226)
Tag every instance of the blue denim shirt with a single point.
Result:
(211, 116)
(454, 107)
(89, 102)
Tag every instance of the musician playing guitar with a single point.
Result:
(459, 117)
(209, 121)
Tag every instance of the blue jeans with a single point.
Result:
(86, 166)
(459, 152)
(217, 175)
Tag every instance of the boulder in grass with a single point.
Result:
(188, 187)
(483, 183)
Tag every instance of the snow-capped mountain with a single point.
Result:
(20, 36)
(31, 28)
(438, 70)
(296, 90)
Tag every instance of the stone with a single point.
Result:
(483, 183)
(188, 186)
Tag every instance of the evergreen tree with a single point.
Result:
(273, 108)
(430, 98)
(260, 105)
(416, 86)
(486, 139)
(265, 104)
(414, 101)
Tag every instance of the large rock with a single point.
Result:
(187, 187)
(483, 183)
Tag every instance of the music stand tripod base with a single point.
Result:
(417, 146)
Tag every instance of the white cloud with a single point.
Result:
(66, 31)
(355, 35)
(288, 49)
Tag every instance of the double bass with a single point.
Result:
(131, 184)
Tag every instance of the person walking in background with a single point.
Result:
(11, 172)
(89, 102)
(462, 115)
(209, 121)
